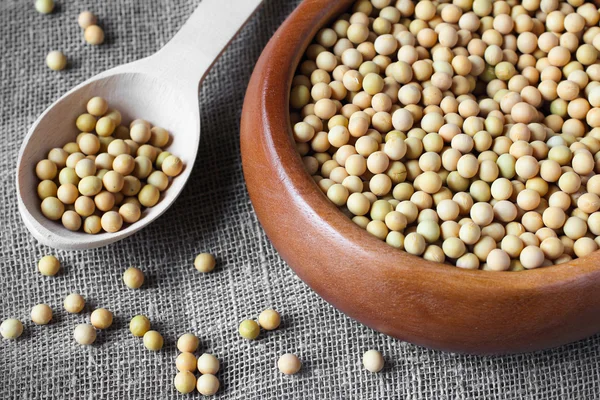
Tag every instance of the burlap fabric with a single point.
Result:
(213, 214)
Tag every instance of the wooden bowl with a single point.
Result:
(426, 303)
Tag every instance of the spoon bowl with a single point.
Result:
(134, 94)
(162, 89)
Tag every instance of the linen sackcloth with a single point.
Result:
(213, 214)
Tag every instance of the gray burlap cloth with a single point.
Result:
(213, 214)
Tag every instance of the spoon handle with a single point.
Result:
(190, 54)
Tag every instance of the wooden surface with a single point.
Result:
(162, 89)
(425, 303)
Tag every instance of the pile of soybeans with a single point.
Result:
(465, 132)
(96, 183)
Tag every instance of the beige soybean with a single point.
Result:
(84, 334)
(373, 361)
(41, 314)
(11, 328)
(101, 318)
(130, 212)
(208, 384)
(124, 164)
(131, 186)
(249, 329)
(94, 35)
(111, 221)
(208, 364)
(153, 340)
(48, 265)
(142, 167)
(92, 224)
(269, 319)
(289, 364)
(52, 208)
(56, 60)
(184, 382)
(139, 325)
(185, 361)
(205, 262)
(159, 180)
(149, 196)
(133, 278)
(71, 220)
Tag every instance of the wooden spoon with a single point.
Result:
(162, 89)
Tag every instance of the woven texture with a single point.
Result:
(213, 214)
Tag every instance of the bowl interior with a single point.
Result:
(298, 168)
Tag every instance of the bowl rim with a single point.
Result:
(294, 167)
